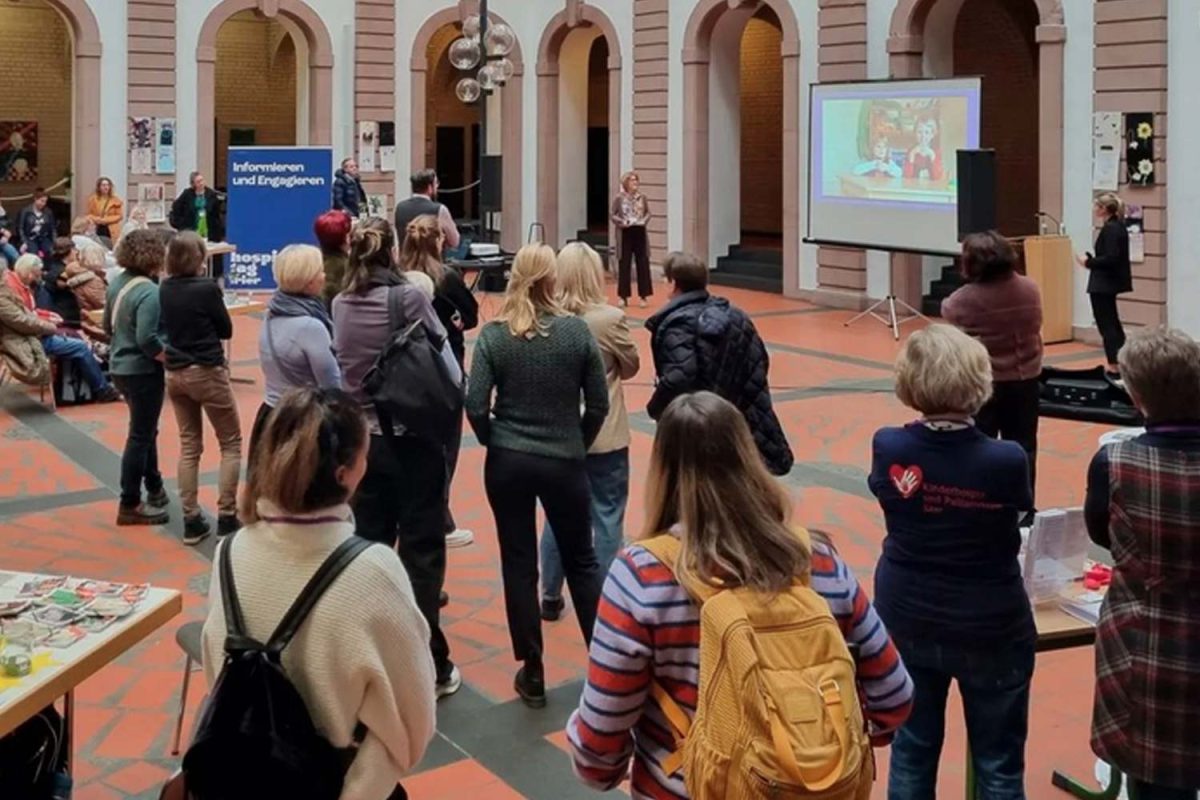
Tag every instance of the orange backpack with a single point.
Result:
(777, 714)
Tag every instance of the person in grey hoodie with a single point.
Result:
(295, 344)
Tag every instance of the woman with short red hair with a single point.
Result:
(332, 230)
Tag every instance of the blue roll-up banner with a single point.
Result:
(275, 194)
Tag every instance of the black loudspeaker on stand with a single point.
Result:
(976, 192)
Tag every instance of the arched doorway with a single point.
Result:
(579, 125)
(1018, 47)
(741, 177)
(445, 130)
(66, 108)
(265, 76)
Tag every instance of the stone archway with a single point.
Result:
(906, 51)
(697, 54)
(511, 115)
(85, 36)
(320, 69)
(557, 30)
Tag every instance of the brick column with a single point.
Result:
(651, 62)
(842, 57)
(374, 81)
(151, 43)
(1131, 76)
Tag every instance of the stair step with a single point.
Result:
(743, 281)
(758, 269)
(942, 288)
(951, 273)
(931, 307)
(765, 255)
(592, 238)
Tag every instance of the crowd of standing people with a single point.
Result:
(338, 450)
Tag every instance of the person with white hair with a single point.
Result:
(21, 279)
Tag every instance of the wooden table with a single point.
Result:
(217, 249)
(74, 665)
(1056, 630)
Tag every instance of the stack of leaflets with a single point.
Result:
(1055, 554)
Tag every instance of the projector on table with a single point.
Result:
(483, 250)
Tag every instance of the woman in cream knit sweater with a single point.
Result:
(363, 654)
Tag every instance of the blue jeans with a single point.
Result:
(608, 481)
(994, 684)
(78, 351)
(9, 254)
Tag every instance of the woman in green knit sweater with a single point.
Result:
(530, 369)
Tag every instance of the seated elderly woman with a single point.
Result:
(1143, 504)
(948, 586)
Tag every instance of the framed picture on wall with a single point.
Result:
(18, 151)
(1139, 148)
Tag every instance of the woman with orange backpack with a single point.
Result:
(722, 592)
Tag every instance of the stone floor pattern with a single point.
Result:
(832, 387)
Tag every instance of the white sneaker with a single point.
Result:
(449, 686)
(460, 537)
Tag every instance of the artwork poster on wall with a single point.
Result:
(1139, 148)
(164, 139)
(153, 198)
(18, 151)
(368, 135)
(387, 147)
(141, 145)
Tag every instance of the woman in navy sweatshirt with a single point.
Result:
(948, 586)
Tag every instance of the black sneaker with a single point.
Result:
(195, 530)
(107, 395)
(142, 514)
(158, 499)
(443, 599)
(448, 685)
(552, 608)
(227, 524)
(530, 683)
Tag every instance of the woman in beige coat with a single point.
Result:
(579, 281)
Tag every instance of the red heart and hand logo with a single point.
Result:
(907, 480)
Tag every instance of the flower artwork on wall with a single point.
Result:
(18, 151)
(1139, 148)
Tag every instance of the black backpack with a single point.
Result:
(409, 383)
(255, 737)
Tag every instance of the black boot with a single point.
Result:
(531, 684)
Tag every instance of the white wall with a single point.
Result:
(724, 134)
(807, 16)
(1183, 198)
(110, 16)
(1077, 140)
(573, 99)
(190, 17)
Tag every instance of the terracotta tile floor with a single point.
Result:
(59, 476)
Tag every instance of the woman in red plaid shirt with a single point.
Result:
(1143, 504)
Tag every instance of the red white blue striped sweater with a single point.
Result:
(649, 629)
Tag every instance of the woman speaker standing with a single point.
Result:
(1111, 275)
(631, 214)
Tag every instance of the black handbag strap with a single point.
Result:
(321, 580)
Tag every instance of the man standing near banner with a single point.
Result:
(348, 192)
(198, 208)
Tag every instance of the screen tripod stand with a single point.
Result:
(892, 320)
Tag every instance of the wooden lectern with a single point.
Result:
(1050, 264)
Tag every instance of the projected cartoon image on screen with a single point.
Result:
(893, 149)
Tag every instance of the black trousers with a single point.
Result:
(635, 244)
(452, 448)
(515, 483)
(1108, 322)
(1012, 415)
(401, 501)
(139, 462)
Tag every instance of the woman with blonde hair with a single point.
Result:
(579, 281)
(631, 214)
(360, 660)
(295, 345)
(949, 585)
(707, 486)
(538, 360)
(106, 210)
(456, 307)
(401, 501)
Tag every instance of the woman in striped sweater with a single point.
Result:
(706, 469)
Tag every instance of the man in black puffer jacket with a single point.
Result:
(348, 192)
(701, 342)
